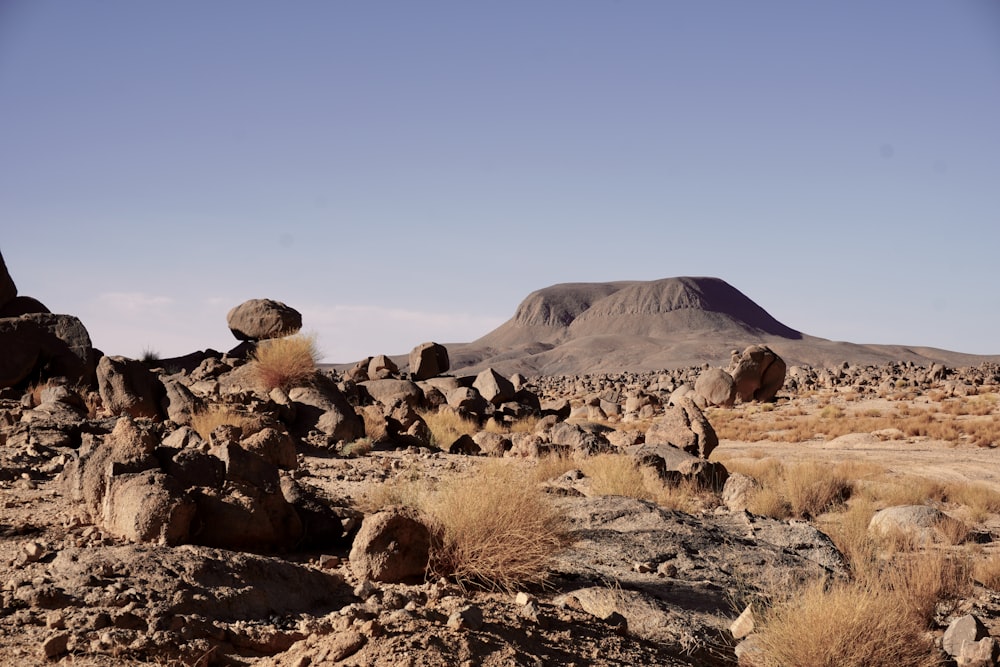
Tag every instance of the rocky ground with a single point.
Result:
(637, 584)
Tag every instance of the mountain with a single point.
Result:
(578, 328)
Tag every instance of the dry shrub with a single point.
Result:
(687, 496)
(356, 448)
(551, 466)
(409, 489)
(446, 426)
(849, 531)
(523, 425)
(981, 500)
(205, 422)
(616, 475)
(842, 625)
(494, 528)
(987, 571)
(878, 619)
(905, 490)
(952, 530)
(812, 488)
(799, 489)
(285, 362)
(768, 501)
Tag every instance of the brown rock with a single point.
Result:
(260, 319)
(391, 546)
(128, 387)
(428, 360)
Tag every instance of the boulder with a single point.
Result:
(22, 305)
(961, 640)
(388, 392)
(45, 345)
(758, 374)
(717, 387)
(148, 507)
(260, 319)
(493, 387)
(683, 425)
(8, 290)
(382, 367)
(585, 438)
(428, 360)
(247, 518)
(674, 465)
(324, 407)
(918, 523)
(127, 386)
(392, 546)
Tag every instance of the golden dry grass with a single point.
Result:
(285, 362)
(446, 426)
(794, 490)
(957, 420)
(877, 619)
(494, 528)
(986, 570)
(205, 422)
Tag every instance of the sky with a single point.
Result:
(404, 171)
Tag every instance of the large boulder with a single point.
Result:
(22, 305)
(324, 408)
(674, 465)
(717, 387)
(389, 392)
(260, 319)
(428, 360)
(127, 386)
(759, 374)
(382, 367)
(8, 290)
(494, 387)
(684, 426)
(45, 345)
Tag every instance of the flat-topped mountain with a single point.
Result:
(575, 328)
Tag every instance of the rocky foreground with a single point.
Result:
(215, 510)
(128, 537)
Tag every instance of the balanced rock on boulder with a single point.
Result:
(260, 319)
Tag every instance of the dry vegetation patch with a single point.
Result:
(207, 421)
(967, 420)
(285, 362)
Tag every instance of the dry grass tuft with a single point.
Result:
(205, 422)
(616, 475)
(494, 529)
(987, 571)
(799, 489)
(446, 426)
(877, 620)
(285, 362)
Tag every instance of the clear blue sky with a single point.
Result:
(408, 171)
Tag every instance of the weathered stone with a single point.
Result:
(675, 465)
(147, 507)
(916, 522)
(382, 367)
(584, 438)
(22, 305)
(8, 290)
(246, 518)
(738, 491)
(45, 345)
(391, 546)
(260, 319)
(323, 407)
(683, 425)
(389, 392)
(758, 374)
(494, 387)
(962, 632)
(128, 387)
(428, 360)
(273, 446)
(717, 387)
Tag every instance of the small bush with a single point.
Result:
(446, 426)
(616, 475)
(879, 619)
(987, 571)
(356, 448)
(494, 529)
(206, 422)
(285, 362)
